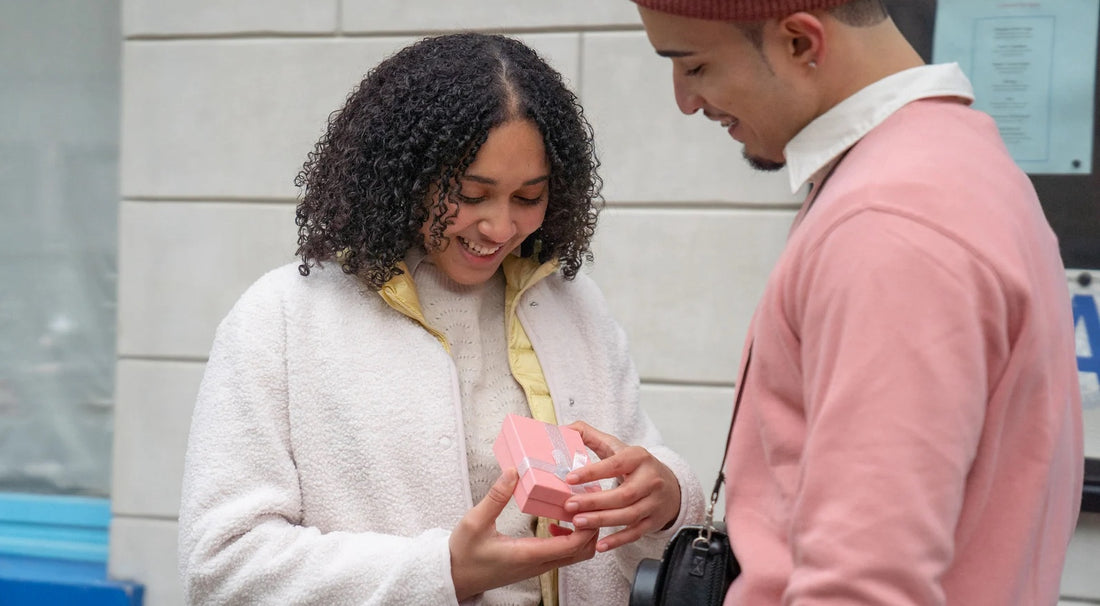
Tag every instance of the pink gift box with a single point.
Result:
(542, 454)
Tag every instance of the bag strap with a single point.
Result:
(708, 522)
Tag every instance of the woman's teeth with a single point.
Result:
(479, 250)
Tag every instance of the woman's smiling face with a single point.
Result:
(497, 203)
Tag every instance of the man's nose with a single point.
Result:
(686, 99)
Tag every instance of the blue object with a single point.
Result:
(1085, 312)
(53, 550)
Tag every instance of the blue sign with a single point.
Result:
(1086, 322)
(1085, 316)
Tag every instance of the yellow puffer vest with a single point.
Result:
(520, 274)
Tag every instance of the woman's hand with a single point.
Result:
(482, 558)
(646, 499)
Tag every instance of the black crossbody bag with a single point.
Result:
(698, 564)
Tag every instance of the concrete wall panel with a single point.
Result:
(206, 17)
(224, 119)
(183, 265)
(153, 402)
(403, 16)
(684, 284)
(144, 549)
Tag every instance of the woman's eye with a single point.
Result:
(530, 201)
(694, 71)
(468, 199)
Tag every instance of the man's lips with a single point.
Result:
(727, 121)
(730, 124)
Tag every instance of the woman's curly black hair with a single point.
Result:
(412, 127)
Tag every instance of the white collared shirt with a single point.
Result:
(834, 131)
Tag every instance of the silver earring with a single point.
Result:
(813, 64)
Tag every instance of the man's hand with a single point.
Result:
(482, 558)
(646, 499)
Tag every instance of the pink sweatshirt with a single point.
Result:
(910, 431)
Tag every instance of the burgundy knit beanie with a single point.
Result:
(736, 10)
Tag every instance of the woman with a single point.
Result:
(343, 431)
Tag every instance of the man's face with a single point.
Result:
(717, 69)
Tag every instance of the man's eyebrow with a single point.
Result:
(489, 181)
(671, 54)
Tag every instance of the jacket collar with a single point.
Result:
(834, 131)
(520, 274)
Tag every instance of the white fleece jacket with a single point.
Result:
(326, 462)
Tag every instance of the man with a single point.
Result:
(910, 426)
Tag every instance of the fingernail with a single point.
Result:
(571, 478)
(580, 521)
(601, 547)
(559, 531)
(571, 506)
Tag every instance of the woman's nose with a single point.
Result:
(496, 222)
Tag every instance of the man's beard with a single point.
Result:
(762, 164)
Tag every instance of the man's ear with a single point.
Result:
(804, 38)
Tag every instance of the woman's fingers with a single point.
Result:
(625, 536)
(622, 463)
(482, 558)
(603, 444)
(646, 500)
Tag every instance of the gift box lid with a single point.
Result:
(543, 454)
